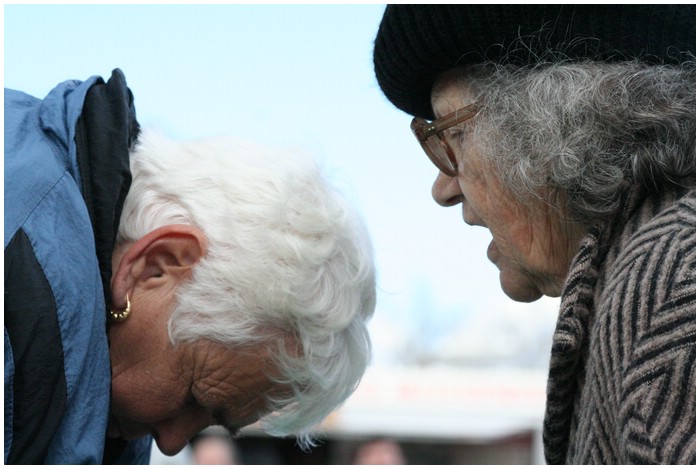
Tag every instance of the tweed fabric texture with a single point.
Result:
(621, 388)
(415, 43)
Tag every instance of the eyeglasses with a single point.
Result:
(430, 136)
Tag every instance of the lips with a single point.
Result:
(493, 253)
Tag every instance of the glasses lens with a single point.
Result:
(437, 150)
(440, 154)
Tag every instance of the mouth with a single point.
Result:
(492, 253)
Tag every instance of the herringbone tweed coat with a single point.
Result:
(621, 386)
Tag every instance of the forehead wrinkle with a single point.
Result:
(451, 91)
(232, 386)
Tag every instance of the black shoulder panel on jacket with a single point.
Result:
(105, 133)
(39, 380)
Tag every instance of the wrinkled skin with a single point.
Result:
(531, 246)
(174, 392)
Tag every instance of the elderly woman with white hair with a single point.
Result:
(154, 288)
(568, 131)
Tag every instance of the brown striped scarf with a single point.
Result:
(621, 386)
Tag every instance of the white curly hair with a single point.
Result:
(289, 263)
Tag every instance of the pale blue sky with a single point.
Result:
(297, 76)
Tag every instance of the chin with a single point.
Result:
(522, 292)
(523, 297)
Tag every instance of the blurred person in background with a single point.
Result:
(210, 448)
(380, 451)
(154, 288)
(568, 131)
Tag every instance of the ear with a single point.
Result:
(162, 258)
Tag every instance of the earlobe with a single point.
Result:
(164, 256)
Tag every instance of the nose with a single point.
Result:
(446, 190)
(173, 435)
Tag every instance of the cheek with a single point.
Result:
(509, 222)
(143, 397)
(483, 194)
(475, 205)
(519, 236)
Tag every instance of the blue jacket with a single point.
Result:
(66, 176)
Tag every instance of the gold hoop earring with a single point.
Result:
(121, 315)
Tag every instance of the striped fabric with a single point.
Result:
(621, 386)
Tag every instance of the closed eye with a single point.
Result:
(453, 136)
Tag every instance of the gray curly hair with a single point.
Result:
(584, 132)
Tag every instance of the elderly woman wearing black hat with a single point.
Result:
(569, 132)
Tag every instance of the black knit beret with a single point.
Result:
(416, 43)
